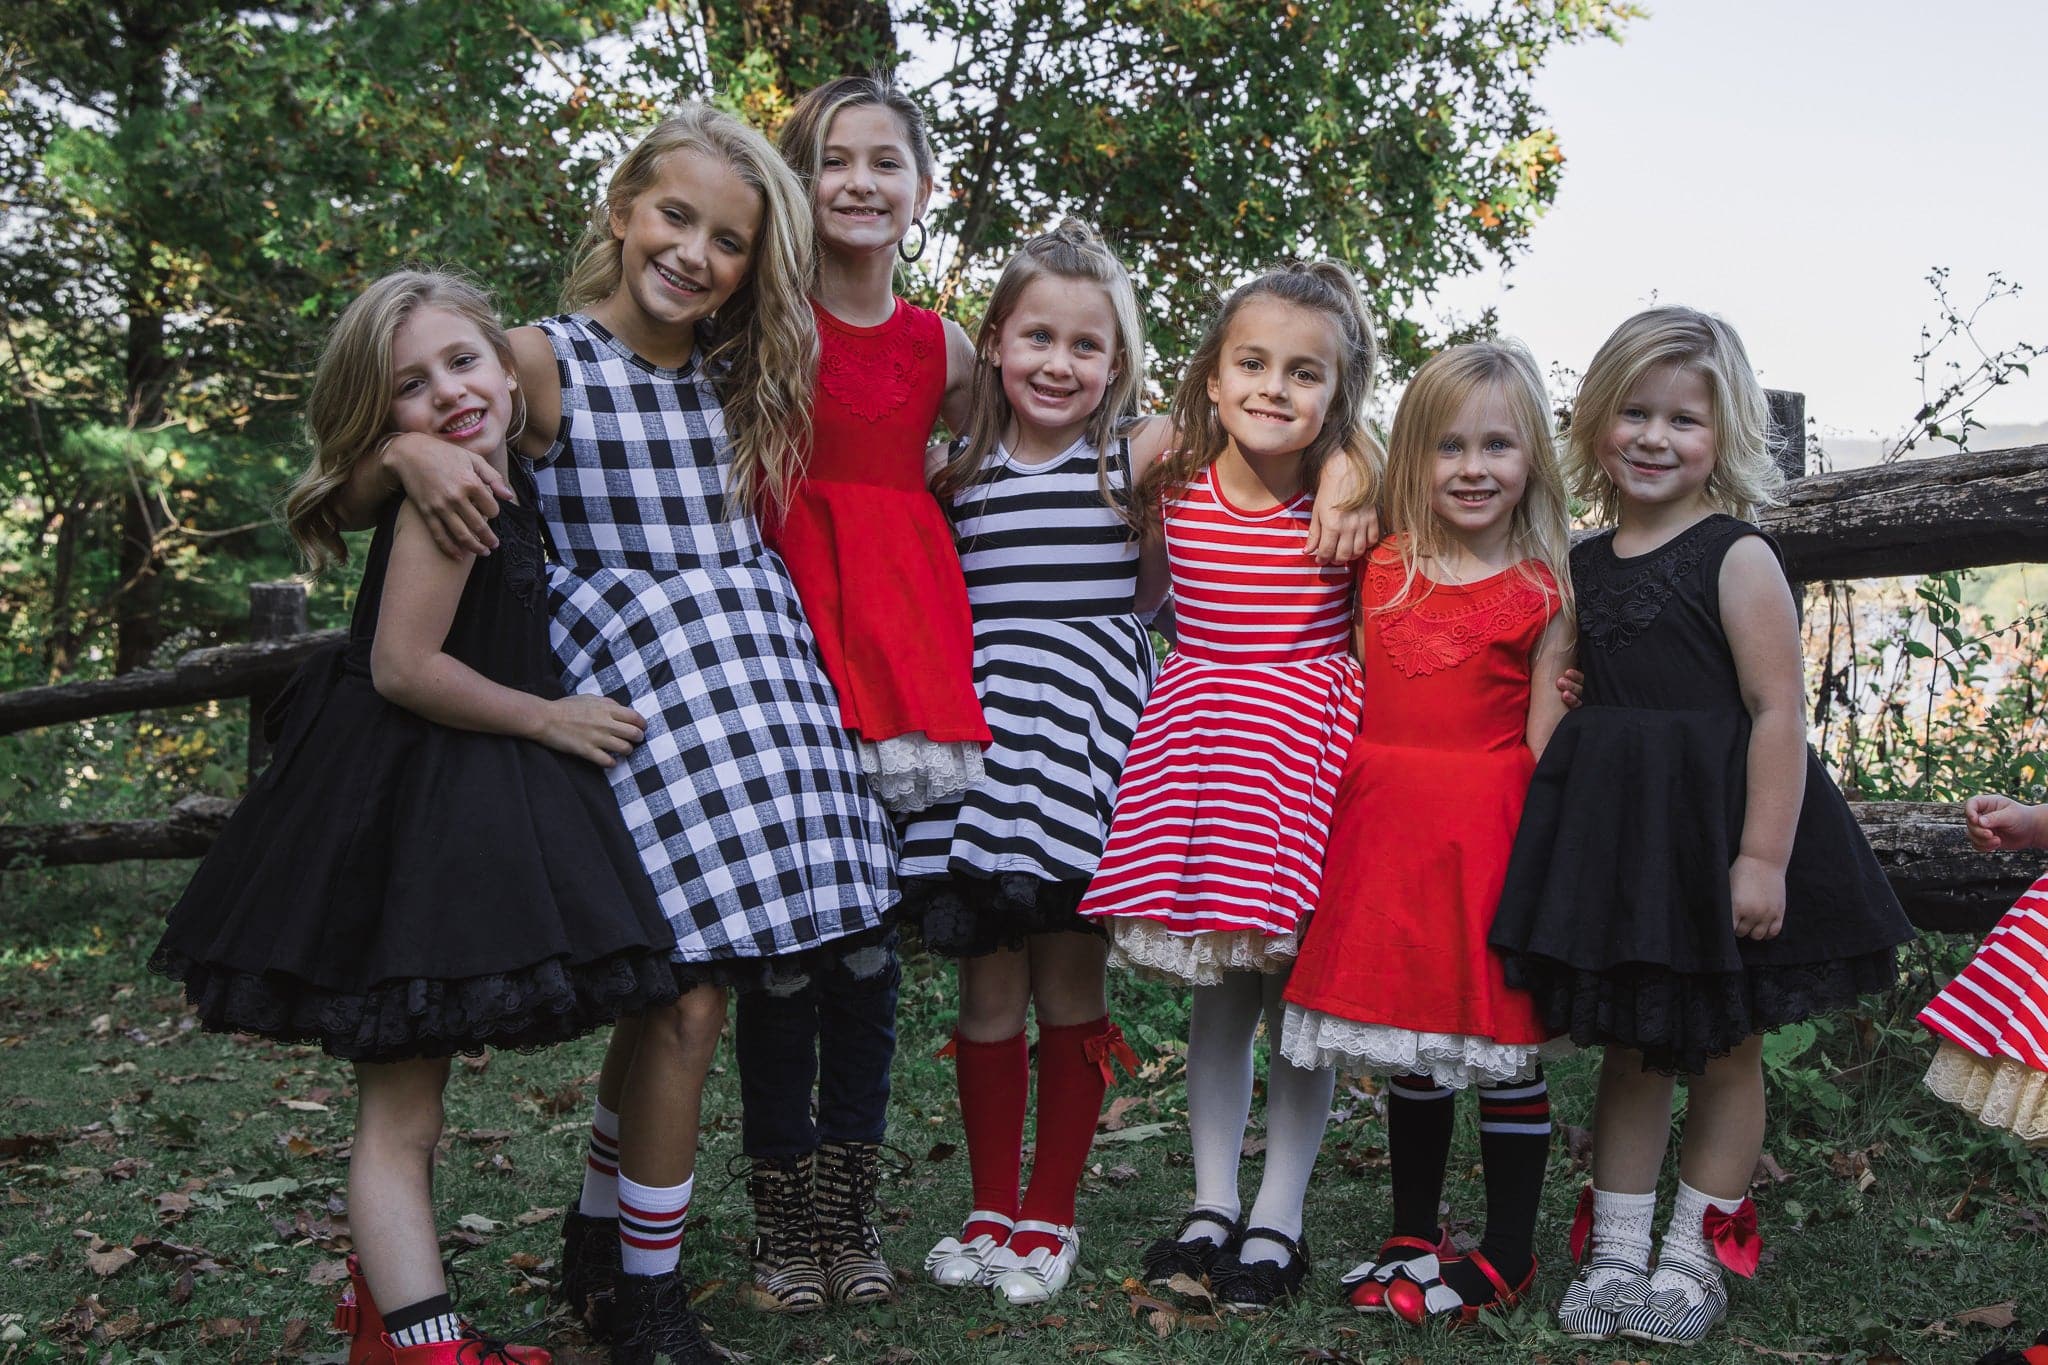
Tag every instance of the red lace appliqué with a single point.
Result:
(1442, 630)
(872, 376)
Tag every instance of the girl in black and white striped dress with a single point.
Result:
(1062, 663)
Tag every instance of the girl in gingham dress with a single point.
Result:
(764, 843)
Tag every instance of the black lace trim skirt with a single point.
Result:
(966, 915)
(541, 1005)
(1679, 1022)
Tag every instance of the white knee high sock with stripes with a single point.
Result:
(651, 1225)
(600, 1197)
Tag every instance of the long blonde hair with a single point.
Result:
(1745, 478)
(1072, 251)
(1539, 529)
(762, 349)
(348, 409)
(1324, 286)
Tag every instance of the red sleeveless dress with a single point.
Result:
(872, 556)
(1395, 975)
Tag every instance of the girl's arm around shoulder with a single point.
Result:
(1343, 524)
(408, 667)
(1150, 438)
(1762, 625)
(961, 363)
(1555, 652)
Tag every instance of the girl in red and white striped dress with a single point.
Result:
(1993, 1019)
(1215, 855)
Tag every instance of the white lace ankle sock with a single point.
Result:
(1685, 1241)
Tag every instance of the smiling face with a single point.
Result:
(1482, 467)
(686, 243)
(1056, 353)
(1659, 449)
(447, 381)
(1275, 377)
(867, 192)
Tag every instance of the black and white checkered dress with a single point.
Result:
(1062, 665)
(746, 797)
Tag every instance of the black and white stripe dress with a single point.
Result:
(746, 797)
(1062, 665)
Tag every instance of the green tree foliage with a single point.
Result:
(190, 189)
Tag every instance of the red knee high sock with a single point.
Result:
(994, 1080)
(1073, 1074)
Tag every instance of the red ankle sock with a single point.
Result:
(994, 1080)
(1072, 1078)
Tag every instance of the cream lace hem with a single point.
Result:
(1150, 949)
(2003, 1093)
(1312, 1039)
(912, 771)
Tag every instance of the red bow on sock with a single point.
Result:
(1734, 1237)
(1582, 1225)
(1107, 1044)
(951, 1049)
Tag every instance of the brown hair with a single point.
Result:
(1324, 286)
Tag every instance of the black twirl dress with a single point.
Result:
(1616, 915)
(391, 888)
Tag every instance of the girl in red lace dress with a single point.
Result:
(1460, 608)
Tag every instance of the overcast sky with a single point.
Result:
(1797, 166)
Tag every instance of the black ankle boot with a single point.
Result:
(590, 1270)
(653, 1321)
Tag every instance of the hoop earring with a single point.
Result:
(922, 238)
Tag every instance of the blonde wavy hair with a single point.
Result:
(1324, 286)
(761, 351)
(1539, 529)
(348, 409)
(1745, 478)
(1071, 252)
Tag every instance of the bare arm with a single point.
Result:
(1763, 634)
(961, 363)
(408, 667)
(1342, 522)
(1554, 654)
(1999, 822)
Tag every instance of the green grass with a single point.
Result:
(220, 1163)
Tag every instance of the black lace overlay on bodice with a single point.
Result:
(1624, 598)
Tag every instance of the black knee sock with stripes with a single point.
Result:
(1419, 1117)
(1514, 1146)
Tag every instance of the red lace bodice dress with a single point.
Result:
(1395, 975)
(872, 556)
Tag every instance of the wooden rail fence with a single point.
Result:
(1916, 516)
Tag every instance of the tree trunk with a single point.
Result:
(808, 42)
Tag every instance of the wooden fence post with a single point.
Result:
(276, 610)
(1787, 438)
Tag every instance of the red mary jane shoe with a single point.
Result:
(1419, 1303)
(1366, 1283)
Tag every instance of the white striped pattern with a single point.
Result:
(1997, 1007)
(1225, 808)
(1062, 665)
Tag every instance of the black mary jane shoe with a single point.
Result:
(1257, 1286)
(1169, 1256)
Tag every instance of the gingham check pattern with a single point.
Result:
(746, 796)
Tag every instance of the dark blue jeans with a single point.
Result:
(836, 1029)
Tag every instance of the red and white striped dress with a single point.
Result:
(1993, 1024)
(1215, 855)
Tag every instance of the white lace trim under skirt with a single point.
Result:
(1312, 1039)
(912, 771)
(1151, 949)
(2003, 1093)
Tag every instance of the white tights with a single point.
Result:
(1222, 1024)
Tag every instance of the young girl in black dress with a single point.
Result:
(1685, 878)
(433, 862)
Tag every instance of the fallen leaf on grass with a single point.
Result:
(1997, 1316)
(112, 1261)
(265, 1189)
(1120, 1174)
(1190, 1287)
(327, 1272)
(1113, 1117)
(532, 1216)
(941, 1150)
(1143, 1132)
(295, 1332)
(172, 1205)
(305, 1106)
(1767, 1168)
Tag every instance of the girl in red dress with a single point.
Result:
(1216, 847)
(1459, 610)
